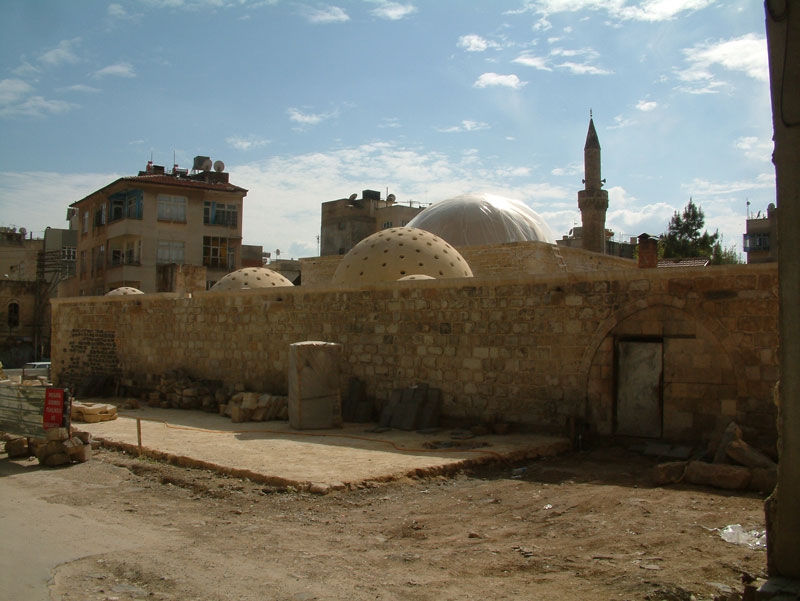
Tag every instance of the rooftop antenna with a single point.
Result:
(590, 113)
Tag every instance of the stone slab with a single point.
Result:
(273, 452)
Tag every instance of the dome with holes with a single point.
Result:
(479, 219)
(391, 254)
(249, 278)
(123, 290)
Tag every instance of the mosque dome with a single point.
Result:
(251, 277)
(478, 219)
(123, 290)
(394, 253)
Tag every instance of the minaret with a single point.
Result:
(593, 200)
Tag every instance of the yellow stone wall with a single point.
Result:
(532, 349)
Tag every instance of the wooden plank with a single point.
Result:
(21, 410)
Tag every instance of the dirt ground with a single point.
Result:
(583, 526)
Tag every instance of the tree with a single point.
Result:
(683, 238)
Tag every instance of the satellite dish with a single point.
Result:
(23, 231)
(353, 196)
(391, 198)
(219, 166)
(207, 165)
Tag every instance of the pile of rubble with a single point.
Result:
(735, 466)
(177, 390)
(255, 407)
(62, 446)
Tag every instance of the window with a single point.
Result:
(755, 242)
(218, 253)
(83, 264)
(68, 253)
(13, 315)
(171, 208)
(217, 213)
(125, 205)
(387, 224)
(86, 222)
(100, 216)
(99, 259)
(170, 251)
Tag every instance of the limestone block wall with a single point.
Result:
(533, 350)
(497, 261)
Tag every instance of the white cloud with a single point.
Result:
(465, 125)
(571, 170)
(699, 188)
(529, 60)
(494, 79)
(16, 100)
(583, 68)
(647, 10)
(746, 54)
(248, 143)
(754, 148)
(13, 90)
(647, 105)
(61, 54)
(330, 14)
(475, 43)
(394, 11)
(81, 88)
(308, 119)
(116, 70)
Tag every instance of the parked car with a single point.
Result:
(36, 369)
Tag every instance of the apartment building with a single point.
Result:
(136, 227)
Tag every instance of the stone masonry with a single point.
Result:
(533, 350)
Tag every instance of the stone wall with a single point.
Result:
(532, 350)
(497, 261)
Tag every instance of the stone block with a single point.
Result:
(17, 447)
(57, 434)
(668, 473)
(764, 480)
(314, 387)
(743, 453)
(718, 475)
(55, 460)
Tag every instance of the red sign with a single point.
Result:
(53, 408)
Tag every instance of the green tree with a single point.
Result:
(725, 255)
(683, 238)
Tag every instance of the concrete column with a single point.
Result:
(783, 41)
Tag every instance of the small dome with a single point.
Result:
(391, 254)
(123, 290)
(478, 219)
(251, 277)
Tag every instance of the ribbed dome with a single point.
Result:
(391, 254)
(479, 219)
(251, 277)
(123, 290)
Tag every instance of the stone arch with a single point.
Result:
(699, 346)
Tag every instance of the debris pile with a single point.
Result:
(62, 446)
(255, 407)
(177, 390)
(735, 465)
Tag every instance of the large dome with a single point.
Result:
(478, 219)
(251, 277)
(392, 254)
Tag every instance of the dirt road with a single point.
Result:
(586, 526)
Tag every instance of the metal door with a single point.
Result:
(639, 377)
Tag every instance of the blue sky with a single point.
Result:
(307, 102)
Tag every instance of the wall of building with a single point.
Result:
(496, 261)
(535, 350)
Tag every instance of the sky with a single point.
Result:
(306, 102)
